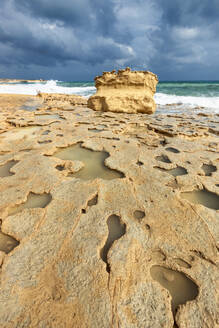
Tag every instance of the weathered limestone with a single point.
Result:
(62, 101)
(105, 252)
(126, 92)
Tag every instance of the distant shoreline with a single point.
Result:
(7, 80)
(170, 96)
(20, 81)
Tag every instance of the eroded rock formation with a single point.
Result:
(124, 236)
(126, 91)
(62, 101)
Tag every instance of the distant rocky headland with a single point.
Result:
(108, 217)
(20, 81)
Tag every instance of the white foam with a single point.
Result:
(161, 99)
(48, 87)
(208, 102)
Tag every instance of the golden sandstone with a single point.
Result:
(126, 92)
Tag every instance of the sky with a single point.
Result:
(75, 40)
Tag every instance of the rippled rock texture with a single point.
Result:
(126, 92)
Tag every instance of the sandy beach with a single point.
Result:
(104, 215)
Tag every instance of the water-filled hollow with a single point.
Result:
(116, 230)
(47, 116)
(7, 243)
(5, 169)
(94, 166)
(138, 214)
(179, 170)
(209, 169)
(181, 288)
(163, 158)
(203, 197)
(33, 201)
(173, 150)
(31, 105)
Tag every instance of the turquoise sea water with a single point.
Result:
(178, 88)
(176, 95)
(188, 88)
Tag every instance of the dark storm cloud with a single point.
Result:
(72, 12)
(172, 38)
(96, 14)
(187, 12)
(48, 36)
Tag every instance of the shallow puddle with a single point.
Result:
(116, 230)
(47, 116)
(46, 132)
(93, 161)
(100, 126)
(33, 201)
(20, 133)
(163, 158)
(139, 214)
(44, 142)
(93, 201)
(173, 150)
(209, 169)
(203, 197)
(31, 105)
(5, 169)
(179, 170)
(181, 288)
(7, 243)
(95, 130)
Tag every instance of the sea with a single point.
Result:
(174, 96)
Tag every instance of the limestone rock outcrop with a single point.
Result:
(108, 219)
(62, 101)
(126, 91)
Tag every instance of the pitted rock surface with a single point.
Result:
(57, 276)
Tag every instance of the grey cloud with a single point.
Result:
(74, 12)
(88, 36)
(189, 12)
(93, 15)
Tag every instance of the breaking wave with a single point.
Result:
(172, 95)
(52, 86)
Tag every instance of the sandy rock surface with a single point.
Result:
(125, 91)
(62, 101)
(108, 219)
(12, 103)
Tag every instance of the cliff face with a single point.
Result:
(126, 91)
